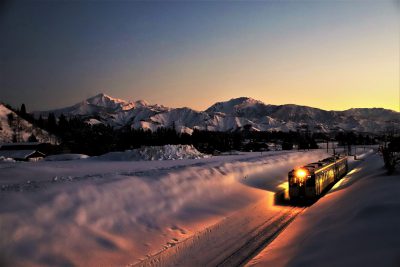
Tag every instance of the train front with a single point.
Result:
(299, 184)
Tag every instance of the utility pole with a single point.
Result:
(355, 152)
(327, 145)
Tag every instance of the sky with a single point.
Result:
(332, 55)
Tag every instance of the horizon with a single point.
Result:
(327, 55)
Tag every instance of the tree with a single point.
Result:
(62, 123)
(23, 110)
(32, 138)
(40, 122)
(10, 118)
(51, 122)
(287, 146)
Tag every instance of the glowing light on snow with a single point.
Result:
(346, 179)
(285, 188)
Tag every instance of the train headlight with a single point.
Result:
(301, 174)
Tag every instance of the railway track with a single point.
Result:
(266, 235)
(233, 242)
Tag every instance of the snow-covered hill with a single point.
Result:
(20, 129)
(229, 116)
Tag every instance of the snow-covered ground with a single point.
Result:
(192, 212)
(356, 224)
(113, 213)
(61, 157)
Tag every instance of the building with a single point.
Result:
(22, 155)
(25, 151)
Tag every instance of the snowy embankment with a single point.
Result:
(102, 212)
(356, 224)
(166, 152)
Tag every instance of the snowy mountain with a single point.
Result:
(98, 104)
(230, 115)
(14, 127)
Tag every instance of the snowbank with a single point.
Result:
(62, 157)
(167, 152)
(4, 159)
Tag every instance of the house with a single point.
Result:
(22, 155)
(25, 151)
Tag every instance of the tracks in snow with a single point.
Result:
(267, 233)
(231, 242)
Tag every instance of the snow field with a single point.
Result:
(126, 210)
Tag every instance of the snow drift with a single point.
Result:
(61, 157)
(167, 152)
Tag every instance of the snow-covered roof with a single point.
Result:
(18, 154)
(20, 144)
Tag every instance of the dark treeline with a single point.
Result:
(77, 136)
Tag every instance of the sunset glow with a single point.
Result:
(331, 55)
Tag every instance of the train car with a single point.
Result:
(310, 181)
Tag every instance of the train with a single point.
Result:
(310, 181)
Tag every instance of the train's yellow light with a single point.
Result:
(301, 173)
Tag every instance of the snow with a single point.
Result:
(356, 224)
(120, 211)
(5, 159)
(235, 105)
(192, 212)
(26, 128)
(93, 121)
(167, 152)
(61, 157)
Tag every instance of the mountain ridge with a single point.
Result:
(228, 115)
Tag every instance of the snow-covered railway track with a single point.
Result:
(266, 234)
(231, 242)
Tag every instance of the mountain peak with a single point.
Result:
(102, 97)
(141, 103)
(103, 100)
(245, 101)
(235, 104)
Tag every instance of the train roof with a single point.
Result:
(315, 166)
